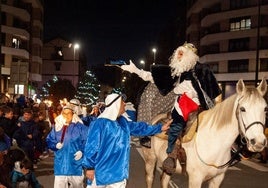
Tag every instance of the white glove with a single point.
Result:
(59, 145)
(145, 75)
(130, 68)
(78, 155)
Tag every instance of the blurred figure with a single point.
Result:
(77, 107)
(23, 176)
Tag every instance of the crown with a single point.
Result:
(190, 46)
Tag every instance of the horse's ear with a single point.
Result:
(262, 88)
(240, 86)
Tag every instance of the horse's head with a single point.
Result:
(251, 114)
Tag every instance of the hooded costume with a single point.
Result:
(108, 143)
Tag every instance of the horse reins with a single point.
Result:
(236, 152)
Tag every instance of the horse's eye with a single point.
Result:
(242, 109)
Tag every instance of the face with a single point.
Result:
(9, 115)
(67, 115)
(96, 110)
(25, 171)
(122, 108)
(180, 54)
(27, 116)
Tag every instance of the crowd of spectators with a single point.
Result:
(24, 125)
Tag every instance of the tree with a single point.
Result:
(58, 89)
(88, 89)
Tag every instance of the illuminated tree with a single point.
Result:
(88, 89)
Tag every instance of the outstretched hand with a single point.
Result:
(166, 126)
(130, 68)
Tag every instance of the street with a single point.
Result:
(246, 174)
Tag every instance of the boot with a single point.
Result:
(169, 164)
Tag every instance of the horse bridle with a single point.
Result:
(246, 128)
(236, 152)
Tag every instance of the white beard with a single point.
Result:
(185, 63)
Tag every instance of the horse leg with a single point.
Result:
(150, 161)
(165, 178)
(195, 181)
(216, 181)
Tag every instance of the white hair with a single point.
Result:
(185, 63)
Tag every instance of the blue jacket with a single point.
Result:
(18, 177)
(74, 140)
(108, 147)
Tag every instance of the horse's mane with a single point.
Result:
(221, 114)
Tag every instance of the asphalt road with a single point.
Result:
(246, 174)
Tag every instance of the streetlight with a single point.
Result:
(76, 46)
(154, 51)
(142, 62)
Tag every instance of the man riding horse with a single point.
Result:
(194, 86)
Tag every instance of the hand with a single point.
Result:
(78, 155)
(59, 145)
(166, 126)
(90, 174)
(130, 68)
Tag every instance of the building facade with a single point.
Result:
(21, 46)
(232, 37)
(61, 58)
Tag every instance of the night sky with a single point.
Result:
(121, 29)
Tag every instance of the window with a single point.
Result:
(238, 4)
(264, 64)
(237, 24)
(236, 45)
(238, 65)
(15, 43)
(57, 66)
(214, 67)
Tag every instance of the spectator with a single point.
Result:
(67, 139)
(27, 135)
(106, 158)
(95, 112)
(5, 142)
(23, 176)
(7, 122)
(44, 130)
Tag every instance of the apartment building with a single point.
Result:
(231, 36)
(61, 58)
(21, 42)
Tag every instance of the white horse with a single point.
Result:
(208, 152)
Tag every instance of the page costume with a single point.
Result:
(107, 149)
(65, 164)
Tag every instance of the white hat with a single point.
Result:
(68, 106)
(75, 102)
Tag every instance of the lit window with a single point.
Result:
(15, 43)
(240, 24)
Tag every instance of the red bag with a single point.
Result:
(187, 105)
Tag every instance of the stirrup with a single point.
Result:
(146, 142)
